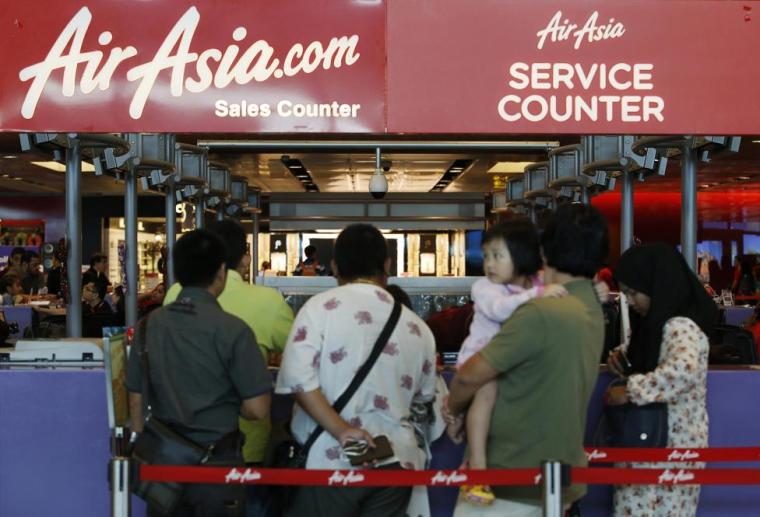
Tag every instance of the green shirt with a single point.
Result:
(548, 355)
(264, 310)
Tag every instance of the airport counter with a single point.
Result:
(54, 443)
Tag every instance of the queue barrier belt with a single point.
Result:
(726, 454)
(493, 477)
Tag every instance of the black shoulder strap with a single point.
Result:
(142, 327)
(361, 375)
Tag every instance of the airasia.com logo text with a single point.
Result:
(212, 66)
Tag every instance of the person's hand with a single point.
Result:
(615, 363)
(616, 396)
(602, 291)
(554, 291)
(355, 434)
(454, 423)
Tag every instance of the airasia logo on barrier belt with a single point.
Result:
(674, 478)
(440, 478)
(683, 456)
(236, 476)
(256, 62)
(349, 478)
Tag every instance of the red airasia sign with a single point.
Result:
(592, 67)
(291, 66)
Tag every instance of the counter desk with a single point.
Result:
(54, 443)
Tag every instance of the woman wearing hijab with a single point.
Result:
(668, 355)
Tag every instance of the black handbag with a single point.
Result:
(159, 444)
(631, 425)
(286, 452)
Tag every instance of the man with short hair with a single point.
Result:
(263, 309)
(333, 335)
(97, 273)
(35, 278)
(205, 371)
(545, 359)
(310, 266)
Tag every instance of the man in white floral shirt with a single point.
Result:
(332, 336)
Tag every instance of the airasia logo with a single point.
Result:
(562, 30)
(441, 478)
(88, 70)
(674, 478)
(349, 478)
(244, 476)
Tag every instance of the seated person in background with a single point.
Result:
(310, 266)
(10, 288)
(96, 313)
(35, 278)
(753, 325)
(53, 282)
(152, 300)
(14, 263)
(97, 274)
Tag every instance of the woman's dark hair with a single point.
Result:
(521, 238)
(360, 251)
(198, 255)
(17, 251)
(234, 239)
(660, 272)
(575, 240)
(399, 295)
(309, 251)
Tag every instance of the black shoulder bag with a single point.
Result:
(631, 425)
(288, 453)
(159, 444)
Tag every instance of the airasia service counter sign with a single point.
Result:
(633, 67)
(374, 66)
(167, 65)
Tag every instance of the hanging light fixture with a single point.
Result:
(378, 184)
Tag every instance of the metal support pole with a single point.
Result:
(74, 237)
(626, 212)
(585, 198)
(255, 248)
(171, 232)
(689, 205)
(551, 472)
(130, 226)
(200, 208)
(220, 213)
(120, 489)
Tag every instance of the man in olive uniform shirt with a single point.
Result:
(262, 308)
(205, 371)
(546, 361)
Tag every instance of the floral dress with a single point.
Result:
(680, 380)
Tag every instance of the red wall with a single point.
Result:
(657, 217)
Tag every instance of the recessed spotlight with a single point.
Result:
(743, 178)
(6, 175)
(17, 178)
(9, 157)
(294, 166)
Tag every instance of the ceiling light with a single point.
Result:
(59, 167)
(293, 166)
(9, 157)
(6, 175)
(743, 178)
(508, 167)
(756, 141)
(17, 178)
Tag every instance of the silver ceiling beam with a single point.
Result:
(372, 145)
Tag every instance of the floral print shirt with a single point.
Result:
(332, 336)
(680, 380)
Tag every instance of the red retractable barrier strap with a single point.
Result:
(617, 476)
(221, 475)
(612, 455)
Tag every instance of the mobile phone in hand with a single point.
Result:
(381, 451)
(625, 364)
